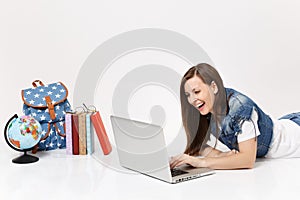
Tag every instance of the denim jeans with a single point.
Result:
(295, 117)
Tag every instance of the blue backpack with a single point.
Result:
(48, 104)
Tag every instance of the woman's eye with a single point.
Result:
(196, 92)
(187, 95)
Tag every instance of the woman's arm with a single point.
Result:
(212, 152)
(245, 159)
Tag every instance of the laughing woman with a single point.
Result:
(227, 130)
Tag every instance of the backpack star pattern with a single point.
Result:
(48, 104)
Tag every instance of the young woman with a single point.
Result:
(226, 129)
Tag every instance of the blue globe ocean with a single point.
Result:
(24, 132)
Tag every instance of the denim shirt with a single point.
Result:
(240, 108)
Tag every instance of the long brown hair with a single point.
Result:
(196, 125)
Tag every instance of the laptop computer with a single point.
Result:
(141, 147)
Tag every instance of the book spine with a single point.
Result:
(82, 134)
(89, 135)
(75, 135)
(69, 146)
(101, 133)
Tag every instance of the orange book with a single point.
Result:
(101, 133)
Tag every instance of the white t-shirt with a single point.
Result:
(249, 131)
(285, 141)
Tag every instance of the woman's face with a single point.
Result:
(200, 95)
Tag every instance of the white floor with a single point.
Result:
(60, 176)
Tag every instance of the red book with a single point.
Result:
(101, 133)
(75, 134)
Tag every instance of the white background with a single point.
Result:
(254, 45)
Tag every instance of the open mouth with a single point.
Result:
(200, 105)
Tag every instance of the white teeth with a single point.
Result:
(199, 105)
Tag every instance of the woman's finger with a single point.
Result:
(175, 163)
(178, 159)
(174, 159)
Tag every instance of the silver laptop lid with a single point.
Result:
(141, 147)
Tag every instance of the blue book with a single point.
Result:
(89, 135)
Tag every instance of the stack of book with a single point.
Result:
(80, 133)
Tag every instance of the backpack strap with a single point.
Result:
(50, 107)
(37, 81)
(58, 131)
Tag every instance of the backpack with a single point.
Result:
(48, 104)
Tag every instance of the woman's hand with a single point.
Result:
(196, 161)
(242, 159)
(186, 159)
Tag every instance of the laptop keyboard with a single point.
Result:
(177, 172)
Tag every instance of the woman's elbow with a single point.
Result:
(250, 164)
(247, 162)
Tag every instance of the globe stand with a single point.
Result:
(25, 158)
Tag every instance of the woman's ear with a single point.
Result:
(214, 87)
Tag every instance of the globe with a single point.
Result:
(22, 134)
